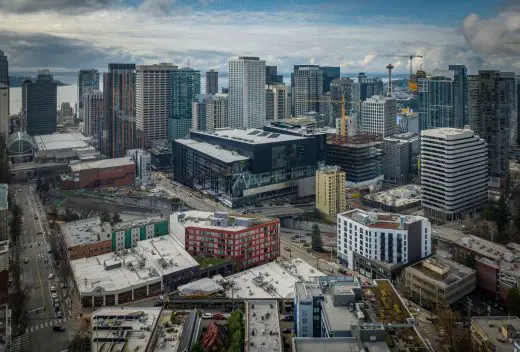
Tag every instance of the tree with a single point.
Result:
(235, 326)
(316, 241)
(469, 261)
(105, 216)
(54, 213)
(197, 347)
(513, 301)
(116, 218)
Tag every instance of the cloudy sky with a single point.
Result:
(358, 35)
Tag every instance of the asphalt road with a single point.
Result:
(35, 274)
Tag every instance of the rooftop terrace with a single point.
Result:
(381, 220)
(263, 326)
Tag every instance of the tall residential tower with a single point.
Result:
(39, 105)
(211, 82)
(185, 86)
(88, 81)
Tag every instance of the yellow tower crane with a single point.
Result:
(343, 126)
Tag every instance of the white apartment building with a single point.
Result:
(378, 115)
(277, 101)
(217, 112)
(454, 173)
(246, 93)
(153, 100)
(93, 113)
(143, 165)
(369, 242)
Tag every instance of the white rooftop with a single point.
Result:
(136, 332)
(447, 133)
(398, 196)
(253, 136)
(86, 231)
(57, 141)
(263, 326)
(140, 266)
(101, 164)
(271, 280)
(216, 152)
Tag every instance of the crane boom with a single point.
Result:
(343, 114)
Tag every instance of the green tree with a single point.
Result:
(235, 326)
(197, 347)
(513, 301)
(316, 241)
(116, 218)
(105, 216)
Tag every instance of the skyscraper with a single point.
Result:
(492, 107)
(246, 92)
(153, 101)
(119, 112)
(88, 81)
(93, 114)
(437, 100)
(4, 112)
(272, 76)
(341, 89)
(307, 88)
(4, 69)
(330, 73)
(460, 92)
(378, 115)
(277, 101)
(211, 82)
(185, 86)
(39, 106)
(366, 87)
(217, 112)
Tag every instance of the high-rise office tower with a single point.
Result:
(93, 114)
(307, 88)
(454, 178)
(246, 92)
(437, 100)
(185, 86)
(4, 69)
(272, 76)
(379, 115)
(119, 132)
(39, 106)
(517, 79)
(211, 82)
(492, 107)
(330, 73)
(277, 101)
(210, 112)
(4, 112)
(460, 92)
(341, 89)
(88, 81)
(367, 87)
(153, 101)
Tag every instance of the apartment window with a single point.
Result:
(304, 321)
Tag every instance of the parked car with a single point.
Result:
(158, 304)
(288, 318)
(287, 331)
(59, 314)
(51, 276)
(54, 296)
(218, 316)
(58, 328)
(26, 260)
(207, 315)
(53, 289)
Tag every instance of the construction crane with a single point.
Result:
(343, 127)
(412, 85)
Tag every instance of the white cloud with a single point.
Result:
(157, 31)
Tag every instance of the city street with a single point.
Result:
(37, 271)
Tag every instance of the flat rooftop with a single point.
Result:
(336, 344)
(138, 223)
(214, 151)
(169, 339)
(119, 329)
(447, 133)
(101, 164)
(339, 317)
(263, 326)
(252, 136)
(86, 231)
(380, 220)
(212, 220)
(398, 197)
(145, 264)
(57, 141)
(442, 271)
(494, 327)
(4, 191)
(271, 280)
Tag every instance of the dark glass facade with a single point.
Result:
(330, 73)
(39, 106)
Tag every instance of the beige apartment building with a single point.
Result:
(330, 190)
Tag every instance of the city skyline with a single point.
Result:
(65, 36)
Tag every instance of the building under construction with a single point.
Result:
(359, 156)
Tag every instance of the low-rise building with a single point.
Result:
(330, 190)
(437, 281)
(379, 245)
(494, 334)
(248, 241)
(126, 234)
(395, 199)
(118, 172)
(4, 211)
(262, 326)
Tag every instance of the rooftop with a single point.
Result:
(252, 136)
(381, 220)
(271, 280)
(443, 272)
(86, 231)
(171, 327)
(214, 151)
(138, 223)
(387, 304)
(211, 220)
(447, 133)
(4, 189)
(398, 197)
(336, 344)
(123, 328)
(101, 164)
(498, 330)
(146, 263)
(403, 137)
(263, 326)
(58, 141)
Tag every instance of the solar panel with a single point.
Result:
(254, 133)
(273, 135)
(263, 134)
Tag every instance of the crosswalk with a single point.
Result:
(32, 244)
(46, 324)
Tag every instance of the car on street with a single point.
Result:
(288, 318)
(53, 289)
(19, 189)
(57, 306)
(58, 328)
(207, 315)
(51, 276)
(158, 304)
(26, 260)
(59, 314)
(287, 331)
(54, 295)
(218, 316)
